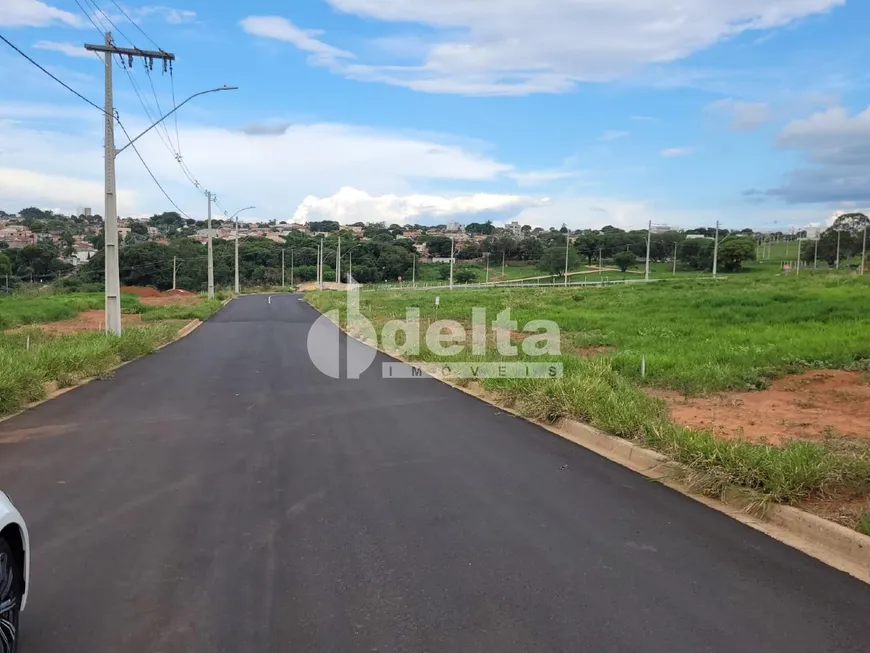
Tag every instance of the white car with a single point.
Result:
(14, 572)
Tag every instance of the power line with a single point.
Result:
(141, 31)
(154, 179)
(71, 90)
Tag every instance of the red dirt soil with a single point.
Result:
(141, 291)
(808, 406)
(179, 291)
(88, 321)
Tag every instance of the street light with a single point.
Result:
(176, 108)
(236, 216)
(113, 273)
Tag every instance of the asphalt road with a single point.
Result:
(223, 495)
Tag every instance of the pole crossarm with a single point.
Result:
(131, 52)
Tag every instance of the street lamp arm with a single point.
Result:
(176, 108)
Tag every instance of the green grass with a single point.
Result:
(66, 359)
(864, 524)
(697, 336)
(21, 310)
(202, 310)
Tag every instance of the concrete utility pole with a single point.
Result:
(291, 267)
(282, 268)
(413, 270)
(486, 254)
(716, 250)
(567, 251)
(864, 251)
(338, 262)
(675, 259)
(235, 217)
(113, 280)
(452, 243)
(502, 264)
(798, 262)
(210, 251)
(648, 243)
(837, 264)
(816, 255)
(350, 268)
(173, 271)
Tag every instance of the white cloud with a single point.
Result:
(744, 116)
(350, 205)
(20, 188)
(276, 27)
(612, 135)
(514, 47)
(167, 14)
(275, 172)
(540, 177)
(672, 152)
(33, 13)
(69, 49)
(838, 146)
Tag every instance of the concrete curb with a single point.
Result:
(829, 542)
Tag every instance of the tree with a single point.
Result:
(465, 275)
(588, 245)
(733, 251)
(484, 229)
(68, 241)
(625, 260)
(697, 253)
(553, 260)
(439, 246)
(325, 226)
(5, 264)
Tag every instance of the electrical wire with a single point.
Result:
(67, 87)
(141, 31)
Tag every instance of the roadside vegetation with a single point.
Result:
(696, 337)
(32, 358)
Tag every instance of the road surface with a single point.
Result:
(223, 495)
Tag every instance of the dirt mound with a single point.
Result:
(178, 291)
(141, 291)
(811, 405)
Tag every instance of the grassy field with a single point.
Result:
(696, 336)
(66, 359)
(18, 310)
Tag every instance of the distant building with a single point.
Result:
(515, 228)
(453, 226)
(698, 237)
(663, 228)
(82, 253)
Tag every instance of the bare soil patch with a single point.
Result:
(813, 405)
(141, 291)
(88, 321)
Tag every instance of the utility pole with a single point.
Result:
(567, 251)
(864, 251)
(716, 250)
(648, 243)
(282, 268)
(816, 255)
(350, 268)
(291, 268)
(799, 258)
(675, 259)
(502, 264)
(338, 262)
(210, 251)
(237, 289)
(486, 254)
(452, 243)
(173, 271)
(113, 280)
(413, 270)
(321, 263)
(838, 250)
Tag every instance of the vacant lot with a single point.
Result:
(59, 339)
(695, 339)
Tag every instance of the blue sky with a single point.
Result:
(750, 112)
